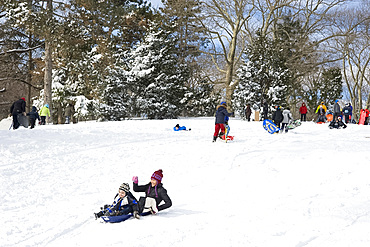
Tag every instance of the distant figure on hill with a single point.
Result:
(17, 108)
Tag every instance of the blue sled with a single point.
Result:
(269, 126)
(120, 218)
(116, 219)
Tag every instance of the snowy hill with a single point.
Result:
(310, 187)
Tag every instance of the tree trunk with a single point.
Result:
(48, 65)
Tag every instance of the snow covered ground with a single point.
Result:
(310, 187)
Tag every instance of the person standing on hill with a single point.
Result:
(287, 117)
(44, 112)
(33, 115)
(303, 112)
(277, 117)
(221, 114)
(321, 106)
(347, 113)
(337, 110)
(265, 110)
(17, 108)
(248, 112)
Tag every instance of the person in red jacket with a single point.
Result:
(367, 112)
(303, 111)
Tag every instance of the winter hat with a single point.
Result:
(23, 99)
(336, 101)
(158, 175)
(125, 187)
(47, 105)
(223, 103)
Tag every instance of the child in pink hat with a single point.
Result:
(154, 194)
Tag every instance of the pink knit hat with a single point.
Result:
(158, 175)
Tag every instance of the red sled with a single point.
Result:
(362, 118)
(229, 138)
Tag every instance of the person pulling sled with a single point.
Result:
(221, 114)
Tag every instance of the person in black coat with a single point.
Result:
(17, 108)
(33, 115)
(155, 193)
(221, 114)
(265, 110)
(248, 112)
(125, 204)
(277, 117)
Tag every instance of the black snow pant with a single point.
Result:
(16, 124)
(303, 117)
(32, 122)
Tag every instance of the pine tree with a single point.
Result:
(262, 77)
(331, 86)
(156, 77)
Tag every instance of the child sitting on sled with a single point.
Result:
(125, 204)
(337, 124)
(154, 194)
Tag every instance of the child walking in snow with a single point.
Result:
(125, 204)
(154, 194)
(33, 115)
(287, 117)
(221, 114)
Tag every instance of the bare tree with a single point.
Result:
(354, 46)
(225, 22)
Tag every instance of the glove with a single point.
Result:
(135, 179)
(136, 215)
(233, 113)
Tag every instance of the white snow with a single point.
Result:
(310, 187)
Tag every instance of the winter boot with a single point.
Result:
(214, 139)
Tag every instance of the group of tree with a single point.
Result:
(131, 60)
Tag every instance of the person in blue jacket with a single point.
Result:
(178, 128)
(33, 115)
(126, 203)
(221, 113)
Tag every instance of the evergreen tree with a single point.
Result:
(262, 77)
(156, 77)
(331, 86)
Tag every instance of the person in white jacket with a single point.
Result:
(287, 117)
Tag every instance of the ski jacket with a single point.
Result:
(287, 116)
(45, 111)
(323, 106)
(265, 107)
(366, 111)
(122, 203)
(179, 128)
(248, 111)
(158, 193)
(321, 111)
(33, 114)
(347, 110)
(70, 110)
(18, 106)
(277, 117)
(337, 125)
(303, 109)
(221, 113)
(337, 108)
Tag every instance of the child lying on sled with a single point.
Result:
(125, 204)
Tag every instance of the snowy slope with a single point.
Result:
(310, 187)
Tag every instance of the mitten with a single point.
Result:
(135, 179)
